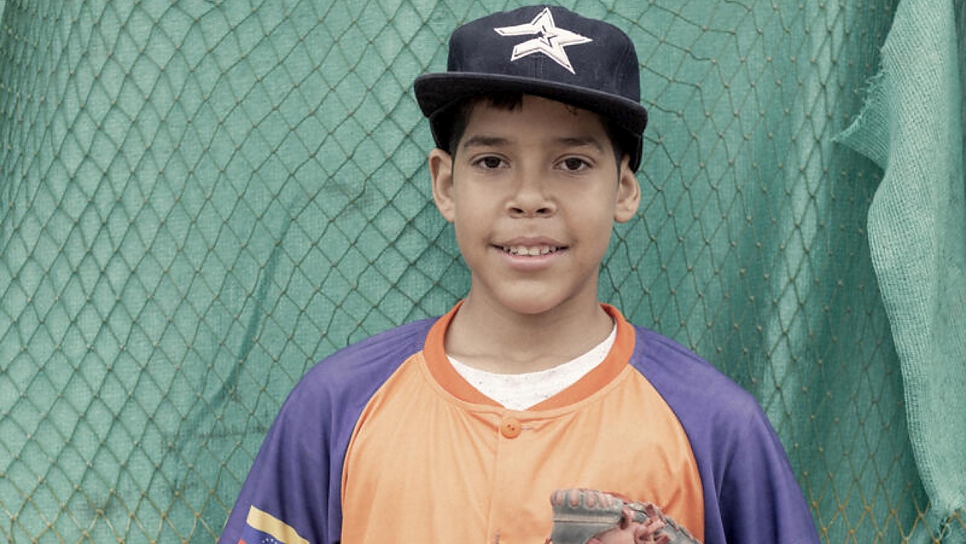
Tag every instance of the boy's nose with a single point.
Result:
(531, 199)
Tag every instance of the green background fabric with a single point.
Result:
(199, 199)
(913, 128)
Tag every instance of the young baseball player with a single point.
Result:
(459, 429)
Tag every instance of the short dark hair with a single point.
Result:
(457, 117)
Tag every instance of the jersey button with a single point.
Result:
(510, 427)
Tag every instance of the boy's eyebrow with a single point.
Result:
(564, 141)
(484, 141)
(581, 141)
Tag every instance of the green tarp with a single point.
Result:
(912, 127)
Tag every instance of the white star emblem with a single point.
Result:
(550, 40)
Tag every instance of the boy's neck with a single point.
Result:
(493, 338)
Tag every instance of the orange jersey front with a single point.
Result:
(384, 442)
(433, 460)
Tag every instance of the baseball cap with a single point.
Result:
(545, 51)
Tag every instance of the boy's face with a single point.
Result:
(533, 193)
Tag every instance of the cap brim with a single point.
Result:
(436, 93)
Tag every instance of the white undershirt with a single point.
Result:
(523, 391)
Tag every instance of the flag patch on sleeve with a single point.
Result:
(264, 528)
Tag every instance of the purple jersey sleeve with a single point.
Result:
(297, 475)
(750, 491)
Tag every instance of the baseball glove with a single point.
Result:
(589, 516)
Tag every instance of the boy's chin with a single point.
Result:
(533, 303)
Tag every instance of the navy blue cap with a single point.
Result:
(543, 51)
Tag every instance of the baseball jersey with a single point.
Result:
(386, 442)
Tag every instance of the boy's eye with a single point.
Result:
(490, 163)
(574, 164)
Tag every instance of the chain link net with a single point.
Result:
(200, 199)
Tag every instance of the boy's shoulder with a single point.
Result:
(750, 487)
(672, 367)
(692, 386)
(365, 364)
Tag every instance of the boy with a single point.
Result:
(458, 430)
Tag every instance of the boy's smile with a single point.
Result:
(529, 248)
(533, 193)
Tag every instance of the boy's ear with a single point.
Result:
(628, 193)
(441, 171)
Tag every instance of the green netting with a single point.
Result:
(199, 199)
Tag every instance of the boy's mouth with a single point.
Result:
(530, 251)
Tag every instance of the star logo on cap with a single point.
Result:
(550, 40)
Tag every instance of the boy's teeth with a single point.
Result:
(529, 251)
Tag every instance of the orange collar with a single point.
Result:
(447, 377)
